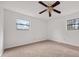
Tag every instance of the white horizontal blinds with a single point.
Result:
(22, 24)
(73, 24)
(77, 24)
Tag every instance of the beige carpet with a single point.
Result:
(42, 49)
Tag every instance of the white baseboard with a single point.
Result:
(77, 45)
(30, 42)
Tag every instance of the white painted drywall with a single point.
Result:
(14, 37)
(38, 31)
(56, 27)
(58, 30)
(1, 30)
(32, 8)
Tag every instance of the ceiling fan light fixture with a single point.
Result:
(50, 8)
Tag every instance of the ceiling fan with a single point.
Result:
(50, 8)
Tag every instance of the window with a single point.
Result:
(22, 24)
(73, 24)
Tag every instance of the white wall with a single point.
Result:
(55, 29)
(58, 30)
(40, 30)
(14, 37)
(1, 30)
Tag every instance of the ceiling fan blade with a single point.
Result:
(57, 11)
(49, 14)
(42, 11)
(55, 4)
(43, 3)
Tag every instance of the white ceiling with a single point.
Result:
(32, 8)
